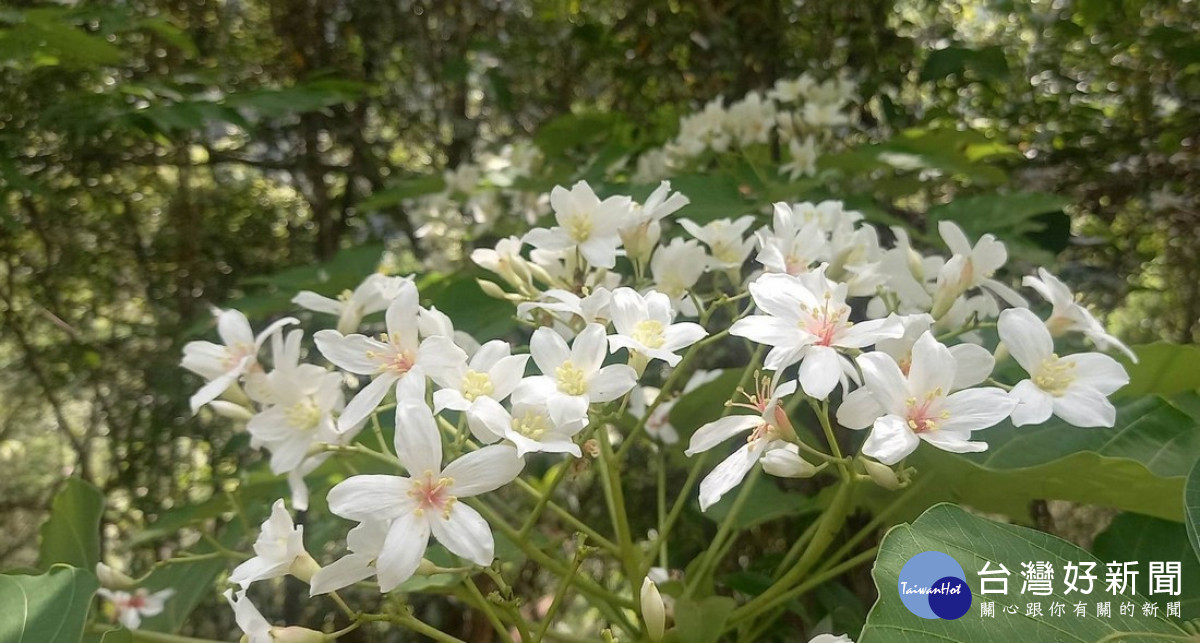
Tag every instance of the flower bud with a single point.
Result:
(785, 462)
(491, 289)
(231, 410)
(303, 567)
(882, 474)
(296, 634)
(653, 611)
(113, 579)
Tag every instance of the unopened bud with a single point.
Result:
(653, 611)
(113, 579)
(491, 289)
(231, 410)
(882, 474)
(296, 634)
(785, 462)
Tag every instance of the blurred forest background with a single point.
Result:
(158, 157)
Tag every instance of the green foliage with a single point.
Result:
(1141, 539)
(974, 542)
(1139, 465)
(700, 620)
(1164, 369)
(765, 503)
(1191, 508)
(50, 608)
(72, 534)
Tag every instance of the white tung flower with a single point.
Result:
(1068, 315)
(530, 427)
(643, 324)
(804, 158)
(371, 296)
(573, 377)
(676, 268)
(302, 415)
(223, 364)
(585, 223)
(427, 500)
(724, 240)
(1074, 387)
(492, 373)
(769, 425)
(132, 606)
(793, 244)
(397, 358)
(807, 320)
(279, 551)
(258, 630)
(970, 267)
(920, 405)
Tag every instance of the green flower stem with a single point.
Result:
(363, 450)
(661, 498)
(567, 517)
(821, 409)
(586, 585)
(343, 606)
(421, 627)
(715, 550)
(685, 493)
(799, 590)
(563, 586)
(477, 599)
(614, 497)
(377, 428)
(544, 496)
(344, 631)
(830, 524)
(875, 522)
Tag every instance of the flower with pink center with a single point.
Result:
(224, 364)
(807, 320)
(769, 427)
(132, 606)
(425, 502)
(904, 409)
(397, 357)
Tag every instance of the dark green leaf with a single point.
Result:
(974, 542)
(1163, 369)
(1191, 508)
(1141, 539)
(72, 533)
(702, 620)
(50, 608)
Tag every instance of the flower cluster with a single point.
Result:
(870, 335)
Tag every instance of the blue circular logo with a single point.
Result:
(932, 585)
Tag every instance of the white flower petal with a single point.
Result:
(1099, 372)
(976, 408)
(858, 410)
(349, 352)
(820, 371)
(932, 366)
(1085, 407)
(371, 497)
(729, 473)
(611, 382)
(484, 470)
(364, 403)
(589, 348)
(882, 376)
(343, 572)
(718, 431)
(407, 539)
(1034, 405)
(890, 440)
(1026, 338)
(466, 534)
(549, 350)
(972, 365)
(418, 442)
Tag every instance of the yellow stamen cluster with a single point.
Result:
(432, 495)
(476, 384)
(580, 228)
(649, 333)
(531, 425)
(304, 416)
(1055, 375)
(571, 379)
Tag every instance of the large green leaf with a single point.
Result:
(1138, 465)
(974, 542)
(1141, 539)
(1191, 507)
(50, 608)
(72, 534)
(1163, 369)
(700, 620)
